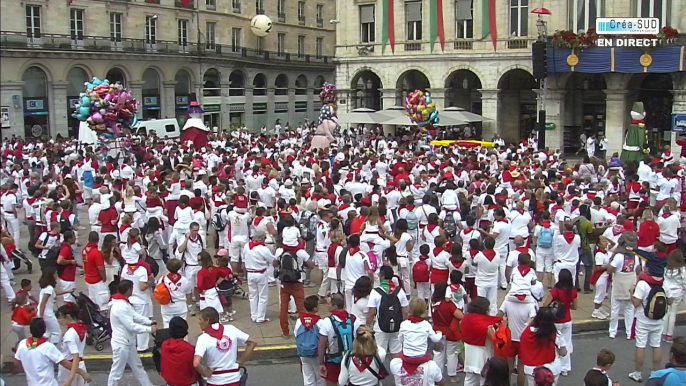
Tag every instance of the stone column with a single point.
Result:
(7, 93)
(271, 106)
(489, 109)
(137, 91)
(226, 110)
(554, 106)
(247, 107)
(168, 100)
(678, 107)
(197, 89)
(616, 119)
(291, 107)
(59, 124)
(387, 98)
(341, 93)
(438, 97)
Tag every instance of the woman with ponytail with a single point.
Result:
(73, 344)
(363, 366)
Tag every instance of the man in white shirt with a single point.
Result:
(500, 232)
(566, 250)
(126, 324)
(291, 283)
(356, 265)
(388, 340)
(422, 212)
(239, 233)
(93, 213)
(321, 258)
(9, 211)
(257, 259)
(188, 252)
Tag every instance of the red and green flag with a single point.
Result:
(437, 28)
(488, 25)
(388, 25)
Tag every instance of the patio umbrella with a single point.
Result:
(462, 114)
(393, 112)
(361, 115)
(405, 121)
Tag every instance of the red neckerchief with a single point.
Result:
(489, 254)
(258, 220)
(437, 251)
(174, 277)
(522, 249)
(253, 243)
(545, 223)
(473, 252)
(415, 319)
(308, 319)
(666, 215)
(353, 250)
(410, 207)
(492, 206)
(119, 296)
(523, 269)
(124, 227)
(132, 268)
(457, 265)
(80, 329)
(555, 209)
(295, 209)
(217, 333)
(362, 362)
(468, 230)
(431, 227)
(454, 287)
(343, 207)
(503, 220)
(32, 342)
(569, 236)
(342, 315)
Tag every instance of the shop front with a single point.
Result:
(259, 114)
(300, 112)
(151, 107)
(36, 117)
(213, 115)
(236, 114)
(73, 123)
(180, 107)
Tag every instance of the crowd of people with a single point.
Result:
(410, 250)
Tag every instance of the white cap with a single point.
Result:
(305, 182)
(68, 176)
(288, 182)
(202, 172)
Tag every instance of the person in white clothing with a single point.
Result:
(142, 280)
(216, 350)
(566, 250)
(356, 265)
(487, 263)
(188, 251)
(179, 288)
(38, 358)
(239, 232)
(426, 374)
(10, 215)
(258, 258)
(5, 279)
(389, 339)
(500, 232)
(126, 324)
(73, 344)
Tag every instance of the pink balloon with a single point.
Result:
(97, 117)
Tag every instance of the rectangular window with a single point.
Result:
(236, 39)
(320, 15)
(319, 48)
(259, 7)
(151, 29)
(367, 24)
(183, 32)
(33, 21)
(260, 45)
(584, 14)
(211, 4)
(654, 8)
(236, 4)
(301, 46)
(413, 17)
(76, 23)
(210, 35)
(519, 18)
(301, 12)
(281, 44)
(281, 10)
(464, 19)
(115, 27)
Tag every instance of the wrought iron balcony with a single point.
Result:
(19, 41)
(179, 4)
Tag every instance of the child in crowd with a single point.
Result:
(226, 283)
(523, 277)
(21, 317)
(415, 333)
(604, 362)
(600, 278)
(290, 236)
(421, 272)
(675, 283)
(455, 291)
(23, 295)
(307, 323)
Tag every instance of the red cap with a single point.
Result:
(366, 201)
(240, 201)
(628, 226)
(448, 176)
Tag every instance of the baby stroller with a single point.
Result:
(17, 257)
(96, 320)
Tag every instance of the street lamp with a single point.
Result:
(541, 25)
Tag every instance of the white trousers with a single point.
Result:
(310, 370)
(565, 330)
(258, 295)
(53, 332)
(349, 299)
(99, 293)
(600, 290)
(143, 339)
(490, 293)
(68, 285)
(324, 289)
(502, 278)
(168, 314)
(670, 319)
(624, 307)
(6, 286)
(560, 266)
(63, 375)
(12, 224)
(473, 379)
(127, 355)
(450, 352)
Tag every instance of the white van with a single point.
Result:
(162, 127)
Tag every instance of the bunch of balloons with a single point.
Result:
(421, 109)
(327, 95)
(106, 107)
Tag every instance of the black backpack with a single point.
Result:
(289, 271)
(51, 257)
(218, 222)
(655, 307)
(390, 311)
(65, 224)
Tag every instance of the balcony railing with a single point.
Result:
(236, 4)
(152, 1)
(210, 5)
(282, 17)
(461, 45)
(52, 42)
(518, 44)
(320, 22)
(413, 46)
(301, 20)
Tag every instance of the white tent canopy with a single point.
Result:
(462, 114)
(361, 115)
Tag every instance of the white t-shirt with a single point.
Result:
(359, 309)
(415, 337)
(486, 270)
(239, 224)
(518, 315)
(356, 266)
(326, 329)
(375, 302)
(502, 228)
(137, 276)
(641, 292)
(48, 241)
(130, 253)
(50, 303)
(206, 348)
(602, 258)
(290, 236)
(40, 363)
(427, 374)
(71, 344)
